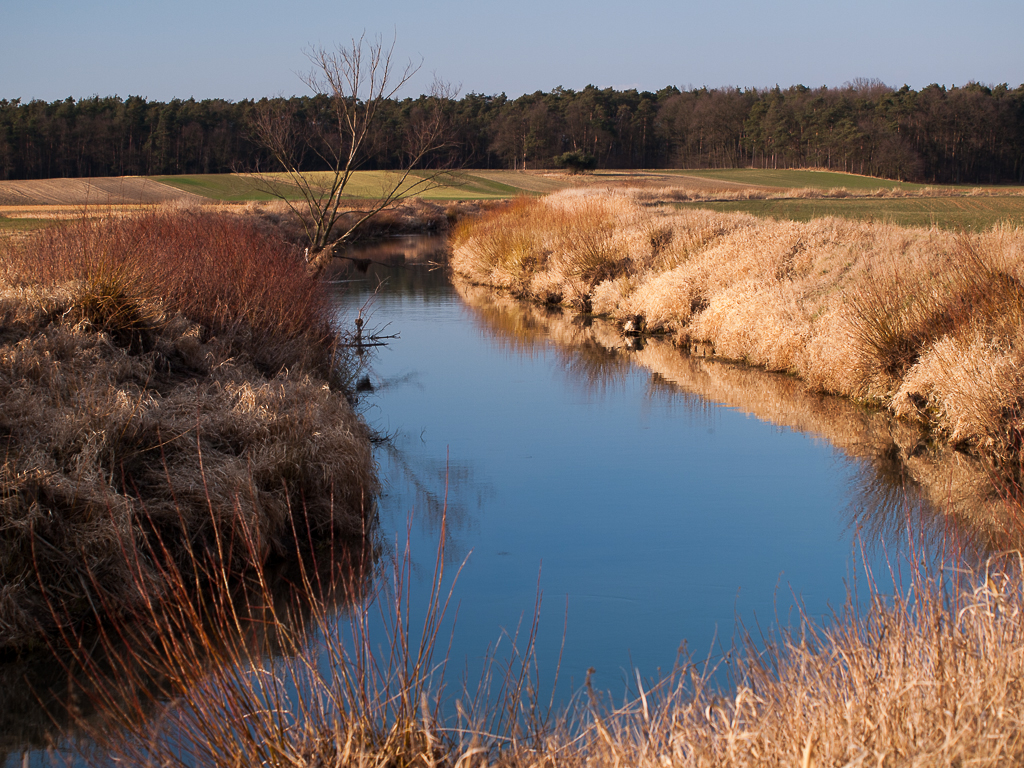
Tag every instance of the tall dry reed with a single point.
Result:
(928, 676)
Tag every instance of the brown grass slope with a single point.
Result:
(167, 381)
(923, 322)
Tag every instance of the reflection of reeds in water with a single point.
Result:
(531, 329)
(260, 676)
(898, 471)
(929, 677)
(922, 322)
(113, 676)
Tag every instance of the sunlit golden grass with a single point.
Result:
(929, 676)
(172, 376)
(922, 321)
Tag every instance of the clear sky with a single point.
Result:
(234, 49)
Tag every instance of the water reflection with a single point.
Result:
(958, 504)
(439, 489)
(112, 681)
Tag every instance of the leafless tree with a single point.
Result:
(355, 81)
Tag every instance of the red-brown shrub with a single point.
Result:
(218, 270)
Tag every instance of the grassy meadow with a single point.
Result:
(17, 224)
(801, 179)
(953, 213)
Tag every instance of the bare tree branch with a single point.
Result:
(353, 83)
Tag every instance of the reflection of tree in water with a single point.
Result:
(408, 265)
(440, 489)
(903, 485)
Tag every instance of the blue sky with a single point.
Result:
(231, 49)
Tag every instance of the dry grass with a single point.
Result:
(928, 677)
(709, 191)
(923, 322)
(168, 378)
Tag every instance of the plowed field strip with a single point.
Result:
(127, 190)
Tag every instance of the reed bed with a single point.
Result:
(929, 676)
(922, 322)
(165, 378)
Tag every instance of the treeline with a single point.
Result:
(970, 134)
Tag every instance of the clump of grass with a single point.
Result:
(217, 270)
(909, 319)
(556, 250)
(925, 678)
(172, 377)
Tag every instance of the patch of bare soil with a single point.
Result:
(113, 190)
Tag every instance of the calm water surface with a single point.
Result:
(645, 516)
(646, 498)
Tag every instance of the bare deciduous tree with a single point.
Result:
(353, 83)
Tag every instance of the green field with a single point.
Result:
(226, 187)
(792, 179)
(19, 224)
(458, 185)
(973, 213)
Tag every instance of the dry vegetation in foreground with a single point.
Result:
(924, 322)
(930, 677)
(167, 380)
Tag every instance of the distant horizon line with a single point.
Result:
(853, 85)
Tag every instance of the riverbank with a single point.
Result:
(174, 395)
(957, 503)
(923, 322)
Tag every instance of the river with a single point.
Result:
(648, 507)
(642, 505)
